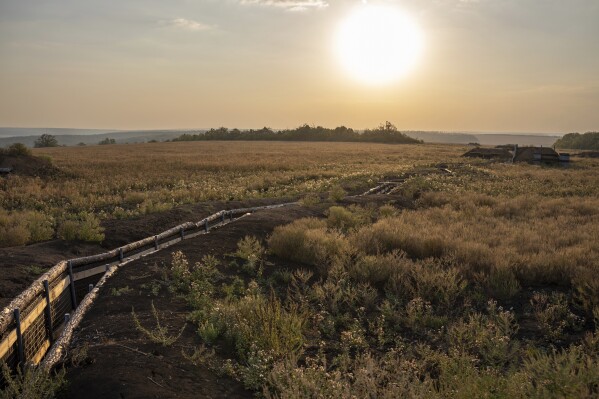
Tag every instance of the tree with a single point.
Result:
(107, 141)
(46, 140)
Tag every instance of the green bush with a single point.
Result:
(255, 322)
(503, 284)
(82, 227)
(32, 383)
(488, 337)
(345, 219)
(20, 228)
(308, 241)
(251, 251)
(337, 193)
(18, 149)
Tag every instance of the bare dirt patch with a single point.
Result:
(121, 361)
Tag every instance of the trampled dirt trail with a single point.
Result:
(124, 363)
(121, 362)
(20, 266)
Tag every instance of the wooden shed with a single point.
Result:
(537, 155)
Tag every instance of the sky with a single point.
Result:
(486, 65)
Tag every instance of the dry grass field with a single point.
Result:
(123, 181)
(481, 282)
(464, 295)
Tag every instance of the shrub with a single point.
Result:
(376, 269)
(41, 227)
(255, 323)
(310, 199)
(430, 280)
(489, 337)
(387, 211)
(158, 334)
(18, 149)
(83, 227)
(337, 193)
(553, 314)
(348, 218)
(252, 252)
(568, 373)
(32, 383)
(503, 284)
(308, 241)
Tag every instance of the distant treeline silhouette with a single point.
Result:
(385, 133)
(577, 141)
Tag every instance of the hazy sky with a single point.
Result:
(488, 65)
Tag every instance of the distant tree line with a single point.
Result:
(384, 133)
(577, 141)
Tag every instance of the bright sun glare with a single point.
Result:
(378, 44)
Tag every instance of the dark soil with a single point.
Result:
(20, 266)
(121, 362)
(115, 366)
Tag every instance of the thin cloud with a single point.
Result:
(186, 24)
(290, 5)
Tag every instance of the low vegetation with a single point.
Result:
(31, 383)
(124, 181)
(470, 289)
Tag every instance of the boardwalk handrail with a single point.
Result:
(40, 317)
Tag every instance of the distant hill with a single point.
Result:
(23, 131)
(517, 138)
(72, 137)
(442, 137)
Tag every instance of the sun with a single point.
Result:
(378, 44)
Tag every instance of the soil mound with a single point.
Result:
(28, 165)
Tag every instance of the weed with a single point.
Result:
(31, 383)
(121, 291)
(553, 314)
(159, 334)
(251, 251)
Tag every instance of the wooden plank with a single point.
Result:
(28, 296)
(89, 272)
(8, 343)
(59, 288)
(32, 316)
(37, 358)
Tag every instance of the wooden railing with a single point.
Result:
(43, 316)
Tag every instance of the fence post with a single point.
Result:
(120, 254)
(20, 348)
(223, 215)
(231, 216)
(72, 286)
(182, 233)
(156, 243)
(207, 228)
(48, 312)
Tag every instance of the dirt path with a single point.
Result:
(20, 266)
(122, 362)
